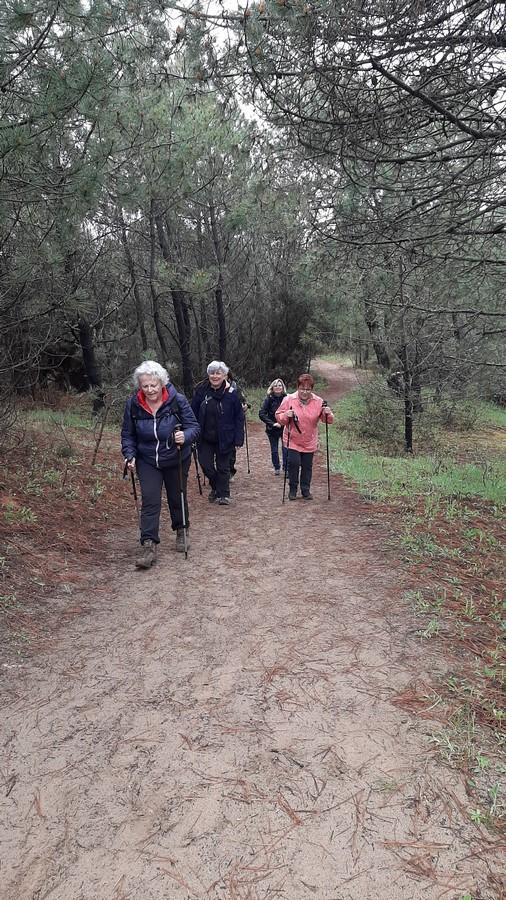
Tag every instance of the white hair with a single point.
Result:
(150, 367)
(217, 366)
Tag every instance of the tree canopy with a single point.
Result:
(252, 183)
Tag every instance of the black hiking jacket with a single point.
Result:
(268, 412)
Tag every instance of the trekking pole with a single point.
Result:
(324, 404)
(197, 472)
(248, 406)
(247, 448)
(134, 489)
(181, 490)
(287, 449)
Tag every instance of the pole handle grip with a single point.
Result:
(176, 429)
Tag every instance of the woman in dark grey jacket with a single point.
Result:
(275, 394)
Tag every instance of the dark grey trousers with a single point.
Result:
(300, 463)
(216, 467)
(152, 481)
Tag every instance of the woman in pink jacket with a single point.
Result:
(300, 413)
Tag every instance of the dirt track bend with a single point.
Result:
(226, 726)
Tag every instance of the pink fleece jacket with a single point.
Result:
(308, 414)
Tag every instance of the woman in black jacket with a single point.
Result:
(221, 419)
(275, 394)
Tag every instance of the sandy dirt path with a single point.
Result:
(229, 726)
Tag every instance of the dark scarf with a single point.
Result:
(212, 401)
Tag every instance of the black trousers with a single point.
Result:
(152, 481)
(300, 463)
(216, 467)
(274, 438)
(233, 455)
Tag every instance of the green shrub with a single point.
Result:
(378, 414)
(454, 414)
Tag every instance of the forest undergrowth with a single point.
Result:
(56, 509)
(446, 512)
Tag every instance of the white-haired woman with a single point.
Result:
(276, 392)
(220, 415)
(158, 425)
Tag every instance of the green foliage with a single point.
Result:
(377, 475)
(454, 415)
(64, 451)
(387, 477)
(60, 419)
(8, 601)
(18, 515)
(492, 415)
(378, 414)
(116, 113)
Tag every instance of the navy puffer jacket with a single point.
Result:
(230, 415)
(268, 412)
(151, 437)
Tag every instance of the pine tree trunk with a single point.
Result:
(371, 320)
(183, 325)
(155, 300)
(218, 291)
(133, 278)
(91, 366)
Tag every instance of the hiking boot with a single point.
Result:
(180, 540)
(307, 495)
(224, 501)
(212, 496)
(146, 555)
(292, 495)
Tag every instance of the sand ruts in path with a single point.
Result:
(227, 726)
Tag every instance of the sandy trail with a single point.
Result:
(227, 726)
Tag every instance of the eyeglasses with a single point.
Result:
(305, 390)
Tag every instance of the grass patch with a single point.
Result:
(59, 418)
(492, 415)
(383, 477)
(380, 475)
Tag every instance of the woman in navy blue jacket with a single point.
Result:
(276, 392)
(158, 425)
(219, 412)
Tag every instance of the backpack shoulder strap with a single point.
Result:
(175, 409)
(132, 414)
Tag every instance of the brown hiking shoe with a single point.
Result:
(146, 555)
(180, 540)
